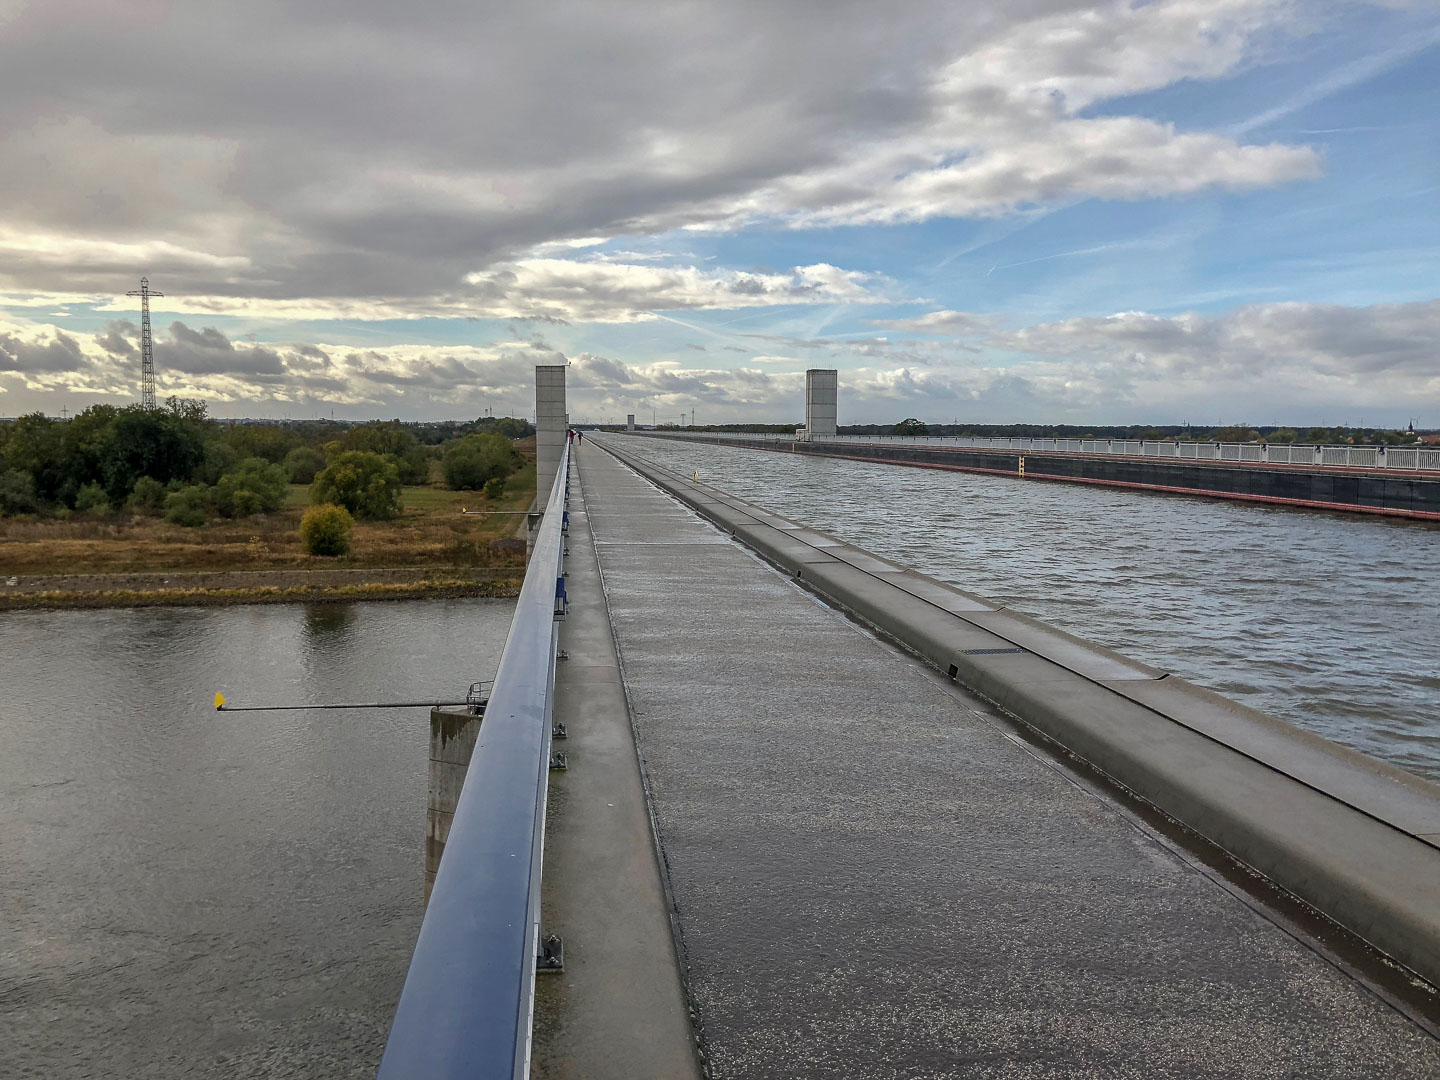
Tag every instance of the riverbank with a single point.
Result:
(255, 587)
(444, 543)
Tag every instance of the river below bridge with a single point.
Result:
(1330, 621)
(190, 894)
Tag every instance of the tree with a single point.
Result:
(325, 530)
(472, 461)
(162, 444)
(511, 427)
(148, 497)
(389, 437)
(35, 447)
(190, 506)
(302, 463)
(364, 483)
(910, 426)
(268, 441)
(494, 488)
(17, 493)
(253, 487)
(91, 498)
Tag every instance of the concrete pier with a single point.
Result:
(821, 390)
(551, 423)
(874, 873)
(452, 742)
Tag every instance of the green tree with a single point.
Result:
(148, 496)
(390, 437)
(910, 426)
(470, 462)
(190, 506)
(302, 463)
(253, 487)
(17, 493)
(91, 498)
(510, 427)
(162, 444)
(36, 448)
(326, 529)
(268, 441)
(363, 483)
(494, 487)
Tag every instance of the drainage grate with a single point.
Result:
(989, 652)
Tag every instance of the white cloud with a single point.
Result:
(1300, 363)
(375, 162)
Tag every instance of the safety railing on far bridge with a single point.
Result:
(1412, 458)
(469, 997)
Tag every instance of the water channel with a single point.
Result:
(190, 894)
(1330, 621)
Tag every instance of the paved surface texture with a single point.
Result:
(618, 1010)
(873, 878)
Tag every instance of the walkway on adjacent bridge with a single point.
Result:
(873, 875)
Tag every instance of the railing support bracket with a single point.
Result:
(552, 954)
(557, 762)
(557, 731)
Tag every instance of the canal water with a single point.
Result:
(191, 894)
(1330, 621)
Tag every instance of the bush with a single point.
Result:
(91, 498)
(190, 506)
(474, 460)
(17, 493)
(253, 487)
(494, 487)
(302, 463)
(148, 496)
(364, 483)
(325, 530)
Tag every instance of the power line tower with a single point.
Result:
(147, 344)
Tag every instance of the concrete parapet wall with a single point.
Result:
(1355, 838)
(1328, 488)
(453, 733)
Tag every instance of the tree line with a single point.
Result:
(177, 462)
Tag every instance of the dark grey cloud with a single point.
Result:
(209, 352)
(58, 353)
(368, 150)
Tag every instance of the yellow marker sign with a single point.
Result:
(219, 700)
(1022, 464)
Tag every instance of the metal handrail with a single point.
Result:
(469, 998)
(1413, 458)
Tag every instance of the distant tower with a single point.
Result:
(147, 344)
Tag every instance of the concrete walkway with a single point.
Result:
(617, 1011)
(873, 876)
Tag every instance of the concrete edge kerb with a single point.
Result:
(1221, 769)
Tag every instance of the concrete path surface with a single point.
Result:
(873, 876)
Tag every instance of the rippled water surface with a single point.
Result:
(185, 893)
(1330, 621)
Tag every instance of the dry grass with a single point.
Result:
(430, 532)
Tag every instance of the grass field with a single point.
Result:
(431, 532)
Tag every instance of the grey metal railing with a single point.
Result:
(468, 1003)
(1419, 458)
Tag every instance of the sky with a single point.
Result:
(1043, 211)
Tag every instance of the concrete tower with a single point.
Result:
(551, 424)
(821, 387)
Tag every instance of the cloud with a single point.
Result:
(43, 354)
(348, 160)
(1299, 363)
